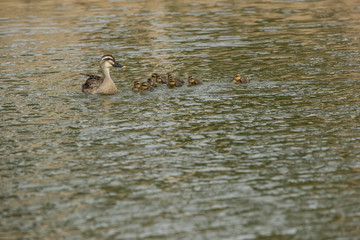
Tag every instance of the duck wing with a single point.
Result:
(179, 82)
(92, 82)
(244, 79)
(198, 81)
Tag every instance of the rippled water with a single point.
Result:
(277, 158)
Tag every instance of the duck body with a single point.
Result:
(152, 82)
(240, 79)
(102, 84)
(171, 84)
(95, 84)
(136, 86)
(156, 78)
(193, 81)
(174, 82)
(145, 86)
(92, 83)
(161, 79)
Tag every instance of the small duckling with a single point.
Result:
(152, 82)
(159, 79)
(145, 86)
(193, 81)
(240, 79)
(154, 77)
(171, 83)
(178, 82)
(136, 86)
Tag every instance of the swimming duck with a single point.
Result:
(104, 84)
(174, 82)
(158, 79)
(193, 81)
(136, 86)
(145, 86)
(240, 79)
(152, 82)
(171, 83)
(154, 77)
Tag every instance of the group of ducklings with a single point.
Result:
(172, 82)
(105, 85)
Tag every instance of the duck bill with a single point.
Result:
(116, 64)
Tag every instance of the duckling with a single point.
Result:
(240, 79)
(178, 82)
(171, 83)
(193, 81)
(162, 79)
(152, 82)
(154, 77)
(136, 86)
(102, 84)
(158, 79)
(145, 86)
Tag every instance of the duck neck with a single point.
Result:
(108, 85)
(106, 73)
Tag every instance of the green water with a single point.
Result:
(278, 158)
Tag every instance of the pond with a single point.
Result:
(277, 158)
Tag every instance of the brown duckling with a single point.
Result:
(171, 83)
(154, 77)
(145, 86)
(136, 86)
(240, 79)
(193, 81)
(178, 82)
(159, 79)
(152, 82)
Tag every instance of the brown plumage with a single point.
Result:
(136, 86)
(193, 81)
(174, 82)
(240, 79)
(104, 84)
(145, 86)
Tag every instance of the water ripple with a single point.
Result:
(275, 158)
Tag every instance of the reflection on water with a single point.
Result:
(277, 158)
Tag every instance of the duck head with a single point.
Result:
(154, 76)
(108, 61)
(237, 77)
(137, 84)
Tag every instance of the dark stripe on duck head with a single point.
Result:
(107, 58)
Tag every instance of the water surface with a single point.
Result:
(277, 158)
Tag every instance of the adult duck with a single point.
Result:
(102, 84)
